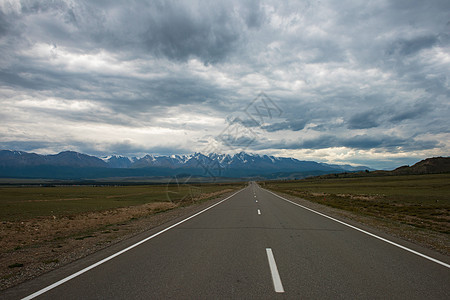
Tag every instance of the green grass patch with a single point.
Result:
(22, 203)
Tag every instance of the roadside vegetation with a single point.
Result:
(422, 201)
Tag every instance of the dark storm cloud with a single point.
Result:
(26, 145)
(389, 115)
(127, 148)
(164, 28)
(243, 121)
(370, 142)
(412, 46)
(364, 120)
(4, 25)
(177, 34)
(54, 146)
(294, 125)
(176, 30)
(12, 79)
(253, 14)
(360, 142)
(417, 111)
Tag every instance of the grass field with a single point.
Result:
(22, 203)
(419, 200)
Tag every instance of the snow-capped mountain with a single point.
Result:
(225, 161)
(118, 161)
(172, 161)
(73, 164)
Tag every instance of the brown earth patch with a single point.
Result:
(359, 197)
(62, 199)
(16, 234)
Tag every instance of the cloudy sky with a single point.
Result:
(360, 82)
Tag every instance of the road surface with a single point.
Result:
(253, 245)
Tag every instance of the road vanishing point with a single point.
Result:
(253, 244)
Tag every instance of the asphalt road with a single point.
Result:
(254, 245)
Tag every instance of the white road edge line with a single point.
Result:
(278, 286)
(366, 232)
(52, 286)
(259, 212)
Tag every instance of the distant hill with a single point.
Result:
(427, 166)
(73, 165)
(435, 165)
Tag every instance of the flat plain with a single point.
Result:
(23, 203)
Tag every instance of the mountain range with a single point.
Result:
(74, 165)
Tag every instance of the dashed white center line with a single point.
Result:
(256, 201)
(274, 270)
(259, 212)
